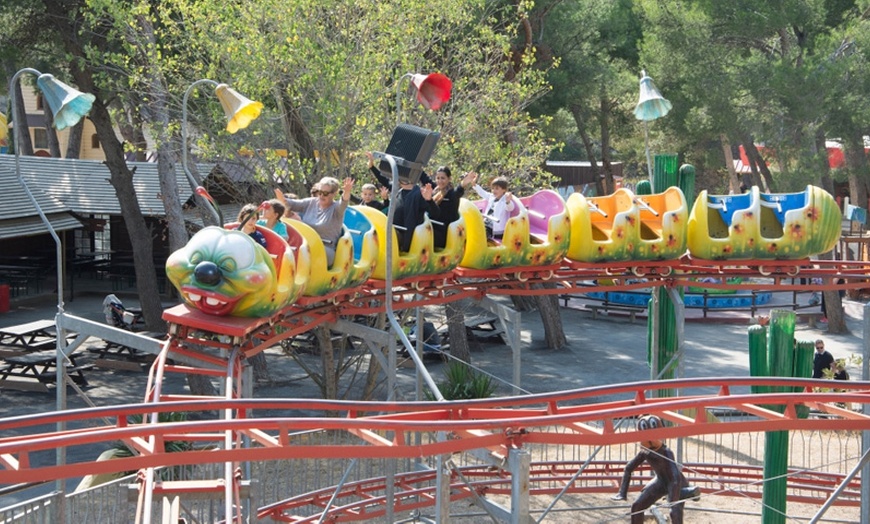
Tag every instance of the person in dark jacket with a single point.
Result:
(446, 197)
(822, 360)
(411, 204)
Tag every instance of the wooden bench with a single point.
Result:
(29, 335)
(482, 327)
(810, 318)
(43, 345)
(38, 369)
(74, 372)
(623, 308)
(11, 351)
(113, 355)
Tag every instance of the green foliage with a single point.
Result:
(328, 72)
(852, 360)
(171, 446)
(778, 73)
(463, 383)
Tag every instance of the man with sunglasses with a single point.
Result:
(822, 360)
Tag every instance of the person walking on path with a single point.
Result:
(822, 360)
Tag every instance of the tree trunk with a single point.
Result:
(762, 168)
(579, 121)
(131, 129)
(604, 121)
(834, 312)
(821, 152)
(19, 117)
(551, 319)
(327, 358)
(832, 304)
(74, 143)
(260, 367)
(201, 385)
(374, 368)
(733, 182)
(294, 123)
(156, 103)
(456, 331)
(859, 174)
(756, 159)
(50, 132)
(121, 176)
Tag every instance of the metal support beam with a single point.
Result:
(442, 494)
(865, 460)
(511, 322)
(680, 326)
(520, 461)
(865, 436)
(109, 333)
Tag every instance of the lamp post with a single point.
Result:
(240, 112)
(433, 91)
(68, 106)
(650, 106)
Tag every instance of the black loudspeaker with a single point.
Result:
(412, 147)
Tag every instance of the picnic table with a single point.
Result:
(118, 356)
(20, 278)
(38, 369)
(36, 335)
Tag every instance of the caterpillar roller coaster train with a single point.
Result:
(223, 272)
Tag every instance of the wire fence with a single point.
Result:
(724, 465)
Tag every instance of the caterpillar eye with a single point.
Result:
(649, 422)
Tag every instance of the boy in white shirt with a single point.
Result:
(500, 204)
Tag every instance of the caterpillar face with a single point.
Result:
(223, 272)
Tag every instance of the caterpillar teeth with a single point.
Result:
(209, 300)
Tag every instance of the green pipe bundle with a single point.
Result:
(780, 362)
(758, 355)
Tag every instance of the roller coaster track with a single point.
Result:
(589, 416)
(218, 346)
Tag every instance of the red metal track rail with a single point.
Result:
(497, 424)
(364, 499)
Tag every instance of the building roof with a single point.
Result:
(83, 185)
(578, 173)
(19, 217)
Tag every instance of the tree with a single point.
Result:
(748, 72)
(594, 44)
(67, 29)
(333, 75)
(337, 93)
